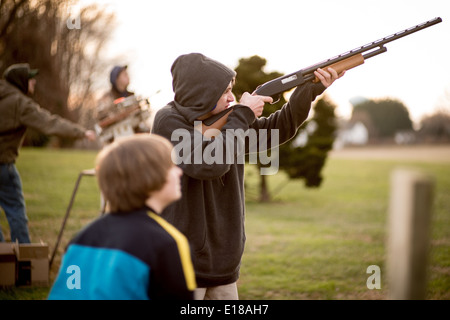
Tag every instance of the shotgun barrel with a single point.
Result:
(344, 61)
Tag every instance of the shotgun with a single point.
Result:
(344, 61)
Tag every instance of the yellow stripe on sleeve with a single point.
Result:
(183, 249)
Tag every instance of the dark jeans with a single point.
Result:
(13, 203)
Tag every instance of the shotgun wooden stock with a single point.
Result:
(344, 65)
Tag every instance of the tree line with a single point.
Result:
(386, 118)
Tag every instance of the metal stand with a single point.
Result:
(89, 172)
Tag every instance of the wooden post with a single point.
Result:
(409, 231)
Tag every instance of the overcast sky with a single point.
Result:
(290, 35)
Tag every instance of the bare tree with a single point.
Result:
(69, 56)
(86, 63)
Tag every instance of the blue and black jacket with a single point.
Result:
(120, 256)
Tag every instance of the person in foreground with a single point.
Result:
(211, 212)
(131, 253)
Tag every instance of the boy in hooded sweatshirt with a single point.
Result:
(213, 204)
(18, 112)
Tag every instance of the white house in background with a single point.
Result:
(302, 139)
(351, 133)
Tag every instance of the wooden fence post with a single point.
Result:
(410, 207)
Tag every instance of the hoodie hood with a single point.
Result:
(18, 75)
(198, 83)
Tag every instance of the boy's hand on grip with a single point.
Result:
(255, 102)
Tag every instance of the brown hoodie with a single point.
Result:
(17, 112)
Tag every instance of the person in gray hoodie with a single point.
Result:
(211, 211)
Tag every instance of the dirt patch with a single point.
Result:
(426, 153)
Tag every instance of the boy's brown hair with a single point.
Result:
(130, 168)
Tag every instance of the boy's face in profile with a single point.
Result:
(224, 102)
(171, 191)
(123, 80)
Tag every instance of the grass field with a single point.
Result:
(306, 244)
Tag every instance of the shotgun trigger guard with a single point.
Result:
(276, 98)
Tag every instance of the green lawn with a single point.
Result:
(306, 244)
(318, 243)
